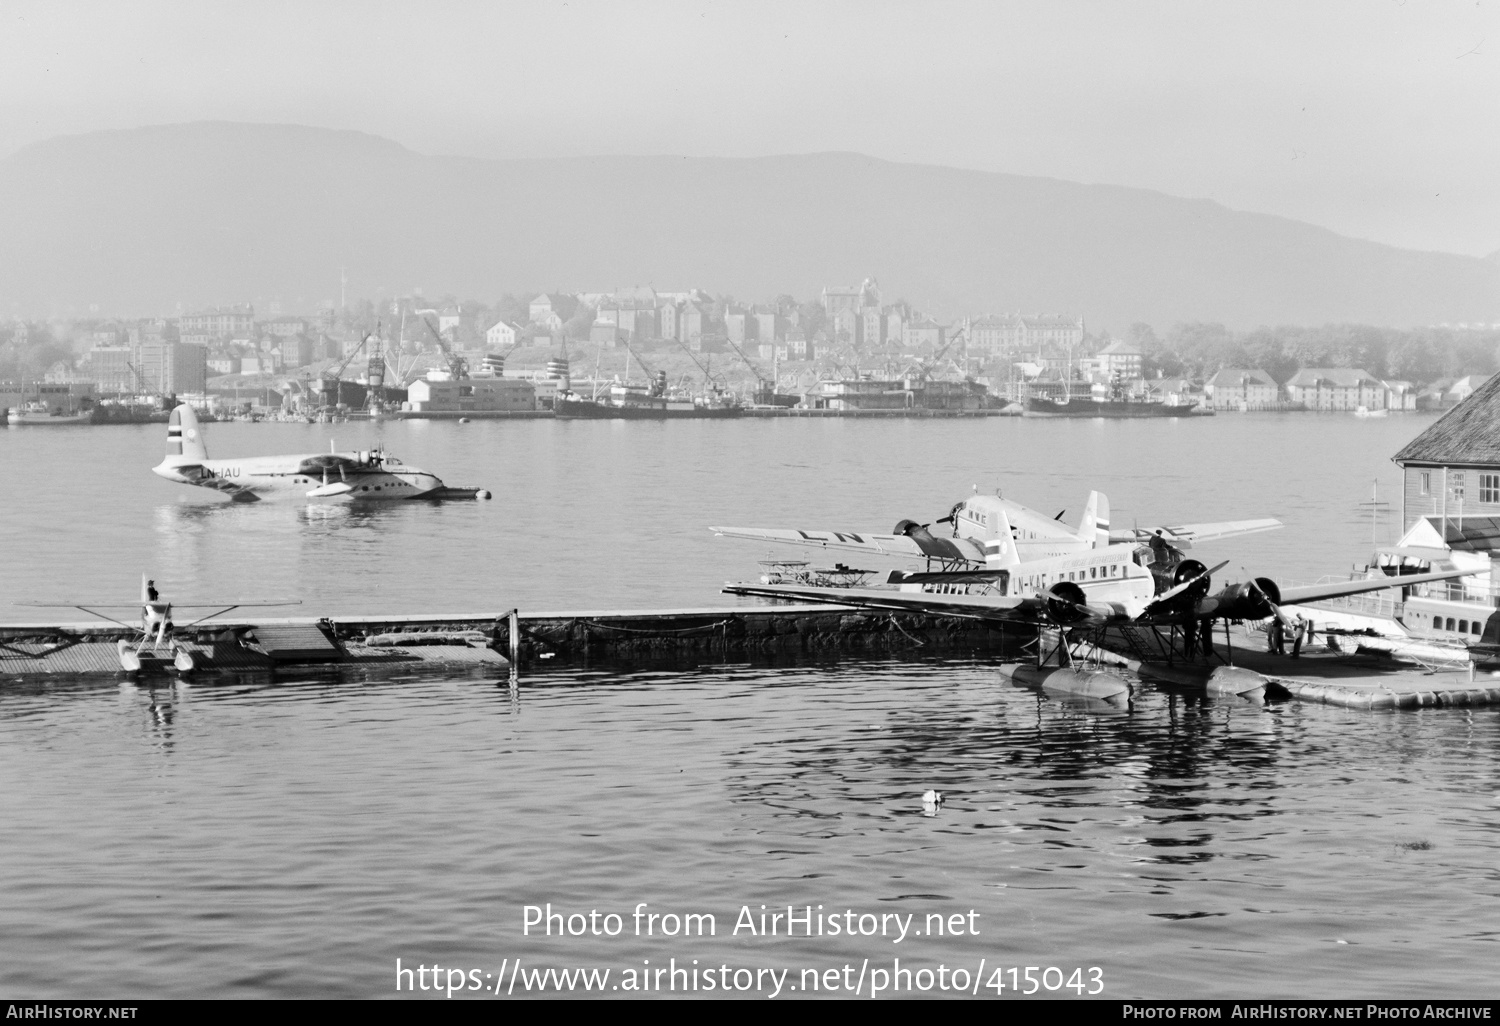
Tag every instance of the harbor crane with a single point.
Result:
(457, 365)
(708, 375)
(338, 375)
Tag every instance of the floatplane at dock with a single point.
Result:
(1088, 592)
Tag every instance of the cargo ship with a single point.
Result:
(1078, 406)
(640, 402)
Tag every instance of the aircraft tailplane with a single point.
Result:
(1094, 528)
(184, 436)
(1000, 551)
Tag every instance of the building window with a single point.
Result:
(1489, 487)
(1424, 481)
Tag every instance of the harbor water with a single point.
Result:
(297, 835)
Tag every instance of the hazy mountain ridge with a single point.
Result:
(137, 221)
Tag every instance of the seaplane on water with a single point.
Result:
(156, 639)
(1064, 579)
(372, 475)
(983, 526)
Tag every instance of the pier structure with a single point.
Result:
(504, 639)
(1339, 671)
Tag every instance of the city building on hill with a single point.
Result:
(605, 333)
(855, 312)
(501, 334)
(219, 322)
(767, 323)
(1052, 329)
(170, 368)
(926, 332)
(1005, 334)
(110, 367)
(997, 334)
(295, 351)
(1122, 359)
(738, 325)
(551, 309)
(1235, 388)
(1336, 388)
(850, 297)
(284, 327)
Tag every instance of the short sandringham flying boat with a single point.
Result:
(372, 475)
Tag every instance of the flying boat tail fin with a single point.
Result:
(1094, 528)
(184, 436)
(1000, 551)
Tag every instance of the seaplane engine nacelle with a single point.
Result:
(1186, 571)
(1253, 600)
(1066, 603)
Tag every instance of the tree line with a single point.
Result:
(1420, 355)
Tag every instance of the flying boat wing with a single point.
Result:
(1185, 536)
(1314, 592)
(918, 543)
(989, 607)
(327, 461)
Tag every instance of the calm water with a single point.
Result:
(295, 837)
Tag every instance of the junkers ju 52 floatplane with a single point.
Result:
(364, 476)
(1074, 584)
(989, 531)
(155, 642)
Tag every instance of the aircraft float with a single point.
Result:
(372, 475)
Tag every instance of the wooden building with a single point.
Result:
(1452, 470)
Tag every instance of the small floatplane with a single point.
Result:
(370, 475)
(1088, 590)
(156, 638)
(989, 531)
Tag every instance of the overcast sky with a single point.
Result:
(1378, 119)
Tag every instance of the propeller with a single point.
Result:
(1191, 576)
(1274, 604)
(1066, 603)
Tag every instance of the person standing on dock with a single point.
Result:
(1276, 637)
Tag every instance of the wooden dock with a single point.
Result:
(1359, 680)
(265, 644)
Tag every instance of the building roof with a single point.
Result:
(1469, 384)
(1120, 348)
(1338, 377)
(1235, 377)
(1468, 433)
